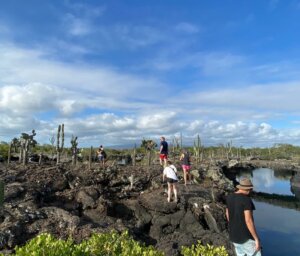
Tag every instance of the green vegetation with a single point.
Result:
(4, 149)
(108, 244)
(148, 148)
(201, 250)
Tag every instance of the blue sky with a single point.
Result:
(117, 71)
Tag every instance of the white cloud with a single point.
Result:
(187, 28)
(77, 26)
(209, 63)
(20, 100)
(100, 103)
(22, 66)
(86, 10)
(80, 20)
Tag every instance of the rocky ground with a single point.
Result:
(65, 200)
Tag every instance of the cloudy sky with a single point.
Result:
(117, 71)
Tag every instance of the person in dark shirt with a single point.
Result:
(239, 213)
(163, 151)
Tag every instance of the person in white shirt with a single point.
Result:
(170, 173)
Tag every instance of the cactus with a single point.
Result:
(90, 157)
(52, 141)
(198, 149)
(133, 155)
(26, 141)
(40, 158)
(9, 153)
(60, 146)
(229, 150)
(180, 140)
(74, 149)
(149, 145)
(15, 144)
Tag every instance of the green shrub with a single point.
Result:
(46, 244)
(4, 150)
(203, 250)
(108, 244)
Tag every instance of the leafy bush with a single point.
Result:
(202, 250)
(4, 150)
(108, 244)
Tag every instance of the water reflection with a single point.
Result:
(295, 184)
(279, 229)
(268, 181)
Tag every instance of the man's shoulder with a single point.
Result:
(238, 196)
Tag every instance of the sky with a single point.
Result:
(115, 72)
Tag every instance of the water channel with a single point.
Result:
(277, 221)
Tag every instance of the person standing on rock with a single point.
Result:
(239, 213)
(163, 151)
(186, 165)
(101, 155)
(170, 173)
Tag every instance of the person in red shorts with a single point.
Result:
(186, 165)
(163, 151)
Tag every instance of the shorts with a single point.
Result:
(163, 156)
(169, 180)
(247, 248)
(101, 158)
(186, 167)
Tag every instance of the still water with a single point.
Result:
(278, 226)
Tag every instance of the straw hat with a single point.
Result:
(245, 184)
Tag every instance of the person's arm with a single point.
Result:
(181, 157)
(251, 227)
(227, 214)
(160, 149)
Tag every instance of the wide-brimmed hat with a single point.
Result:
(245, 184)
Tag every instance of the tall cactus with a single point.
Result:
(90, 158)
(74, 149)
(133, 155)
(52, 141)
(197, 150)
(229, 150)
(180, 140)
(149, 146)
(60, 145)
(9, 153)
(26, 141)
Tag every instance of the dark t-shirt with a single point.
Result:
(164, 145)
(237, 204)
(186, 159)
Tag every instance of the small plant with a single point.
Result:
(203, 250)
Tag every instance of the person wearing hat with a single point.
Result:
(239, 214)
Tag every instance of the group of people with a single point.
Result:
(170, 171)
(239, 210)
